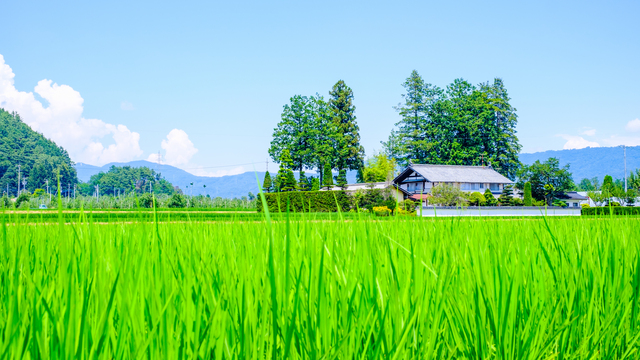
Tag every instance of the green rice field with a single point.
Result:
(305, 287)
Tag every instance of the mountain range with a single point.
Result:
(230, 186)
(583, 163)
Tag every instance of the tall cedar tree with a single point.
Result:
(462, 125)
(295, 133)
(266, 185)
(346, 136)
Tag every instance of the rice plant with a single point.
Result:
(305, 288)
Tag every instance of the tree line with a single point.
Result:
(462, 124)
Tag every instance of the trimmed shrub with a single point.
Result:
(528, 200)
(477, 199)
(617, 210)
(584, 206)
(407, 205)
(306, 201)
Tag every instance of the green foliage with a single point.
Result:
(341, 179)
(407, 205)
(177, 201)
(38, 193)
(5, 202)
(125, 179)
(506, 197)
(296, 133)
(349, 152)
(379, 168)
(461, 125)
(616, 210)
(490, 200)
(477, 199)
(558, 202)
(608, 182)
(548, 180)
(306, 201)
(303, 182)
(315, 184)
(40, 158)
(448, 195)
(267, 186)
(145, 200)
(368, 198)
(589, 185)
(527, 194)
(633, 181)
(327, 177)
(22, 199)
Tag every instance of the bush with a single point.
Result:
(477, 199)
(560, 203)
(368, 198)
(617, 210)
(448, 195)
(381, 211)
(615, 203)
(177, 201)
(23, 198)
(146, 200)
(306, 201)
(528, 200)
(490, 200)
(584, 206)
(407, 205)
(5, 203)
(39, 193)
(517, 202)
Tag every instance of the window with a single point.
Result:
(471, 186)
(494, 187)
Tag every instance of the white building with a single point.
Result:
(397, 193)
(419, 179)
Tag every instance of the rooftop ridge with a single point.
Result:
(464, 166)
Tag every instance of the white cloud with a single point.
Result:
(633, 125)
(589, 132)
(616, 140)
(62, 121)
(577, 142)
(178, 148)
(201, 171)
(126, 106)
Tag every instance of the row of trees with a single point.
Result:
(125, 179)
(462, 124)
(317, 134)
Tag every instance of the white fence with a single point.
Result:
(430, 211)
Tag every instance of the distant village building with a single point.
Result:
(417, 180)
(397, 193)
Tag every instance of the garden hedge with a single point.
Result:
(306, 201)
(617, 210)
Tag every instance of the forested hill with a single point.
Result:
(39, 158)
(591, 162)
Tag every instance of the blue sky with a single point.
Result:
(204, 83)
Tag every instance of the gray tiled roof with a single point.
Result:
(460, 173)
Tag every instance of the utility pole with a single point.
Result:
(624, 149)
(74, 191)
(47, 181)
(18, 181)
(68, 190)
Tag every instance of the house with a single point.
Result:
(574, 199)
(417, 180)
(397, 193)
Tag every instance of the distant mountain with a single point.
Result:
(591, 162)
(230, 186)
